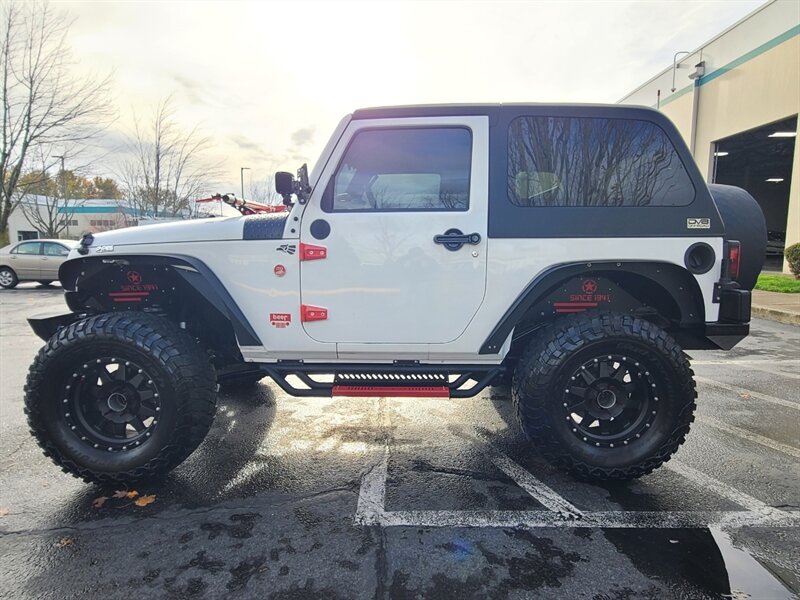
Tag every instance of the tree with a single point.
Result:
(169, 167)
(263, 191)
(104, 188)
(50, 202)
(44, 103)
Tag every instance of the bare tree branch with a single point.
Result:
(44, 104)
(168, 167)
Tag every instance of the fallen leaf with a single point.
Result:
(67, 541)
(745, 396)
(132, 494)
(3, 511)
(120, 494)
(145, 500)
(99, 502)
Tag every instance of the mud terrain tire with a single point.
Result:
(120, 397)
(581, 371)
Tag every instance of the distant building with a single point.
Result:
(81, 216)
(735, 100)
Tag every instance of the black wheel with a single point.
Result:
(605, 396)
(120, 397)
(8, 278)
(45, 282)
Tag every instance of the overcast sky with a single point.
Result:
(269, 81)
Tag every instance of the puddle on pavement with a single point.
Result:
(746, 575)
(699, 559)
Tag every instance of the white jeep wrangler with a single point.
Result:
(571, 251)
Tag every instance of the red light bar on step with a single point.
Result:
(372, 391)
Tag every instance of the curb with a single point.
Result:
(773, 314)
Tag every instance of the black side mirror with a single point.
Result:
(285, 186)
(284, 183)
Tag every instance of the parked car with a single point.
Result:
(33, 260)
(574, 251)
(776, 241)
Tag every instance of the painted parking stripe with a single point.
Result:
(372, 496)
(742, 391)
(706, 482)
(543, 494)
(520, 519)
(751, 437)
(764, 366)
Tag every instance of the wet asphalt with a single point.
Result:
(272, 506)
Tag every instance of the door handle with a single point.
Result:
(454, 239)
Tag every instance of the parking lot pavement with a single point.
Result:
(414, 498)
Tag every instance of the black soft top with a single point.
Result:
(491, 110)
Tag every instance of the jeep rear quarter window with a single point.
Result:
(579, 161)
(410, 169)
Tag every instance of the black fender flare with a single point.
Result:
(675, 280)
(194, 272)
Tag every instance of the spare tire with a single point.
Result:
(744, 222)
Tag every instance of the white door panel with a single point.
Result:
(385, 280)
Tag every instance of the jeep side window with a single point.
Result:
(577, 161)
(409, 169)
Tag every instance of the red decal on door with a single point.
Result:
(311, 252)
(280, 320)
(313, 313)
(280, 270)
(134, 277)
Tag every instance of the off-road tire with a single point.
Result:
(8, 278)
(544, 373)
(169, 356)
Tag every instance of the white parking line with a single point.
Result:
(520, 519)
(752, 437)
(707, 482)
(371, 508)
(538, 490)
(742, 391)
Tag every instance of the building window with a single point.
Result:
(386, 170)
(576, 161)
(102, 223)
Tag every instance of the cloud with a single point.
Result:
(246, 144)
(304, 136)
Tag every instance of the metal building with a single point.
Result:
(735, 100)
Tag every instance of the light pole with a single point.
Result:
(241, 174)
(63, 190)
(63, 177)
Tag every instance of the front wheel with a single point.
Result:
(604, 395)
(120, 397)
(8, 279)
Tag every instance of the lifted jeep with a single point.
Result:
(569, 251)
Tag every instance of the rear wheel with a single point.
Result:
(8, 278)
(605, 396)
(120, 397)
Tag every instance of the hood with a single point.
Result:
(196, 230)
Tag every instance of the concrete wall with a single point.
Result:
(752, 78)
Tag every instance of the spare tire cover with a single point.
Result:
(744, 222)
